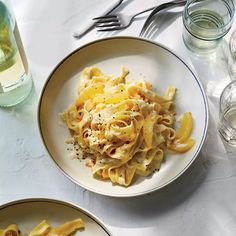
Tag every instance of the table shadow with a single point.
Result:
(153, 205)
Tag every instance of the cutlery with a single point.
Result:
(116, 21)
(159, 8)
(90, 26)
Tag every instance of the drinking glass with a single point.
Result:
(227, 116)
(15, 79)
(205, 23)
(232, 56)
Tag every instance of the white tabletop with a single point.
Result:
(200, 202)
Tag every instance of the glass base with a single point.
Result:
(199, 46)
(17, 94)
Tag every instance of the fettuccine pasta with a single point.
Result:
(123, 127)
(45, 229)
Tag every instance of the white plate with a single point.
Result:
(28, 213)
(144, 59)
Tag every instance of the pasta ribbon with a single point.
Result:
(111, 98)
(88, 92)
(11, 230)
(123, 127)
(67, 228)
(42, 228)
(45, 229)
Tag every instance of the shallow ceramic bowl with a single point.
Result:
(27, 213)
(144, 59)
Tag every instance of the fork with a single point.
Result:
(116, 21)
(90, 26)
(157, 9)
(121, 21)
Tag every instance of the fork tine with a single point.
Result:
(106, 21)
(107, 25)
(105, 17)
(110, 29)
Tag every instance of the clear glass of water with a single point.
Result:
(232, 56)
(15, 78)
(227, 116)
(205, 23)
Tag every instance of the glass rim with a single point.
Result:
(226, 25)
(221, 110)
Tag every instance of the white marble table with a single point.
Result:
(201, 202)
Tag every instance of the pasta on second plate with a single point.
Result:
(123, 127)
(45, 229)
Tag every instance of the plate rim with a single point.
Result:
(206, 121)
(60, 202)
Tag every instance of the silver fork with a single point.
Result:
(80, 34)
(116, 21)
(121, 21)
(157, 9)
